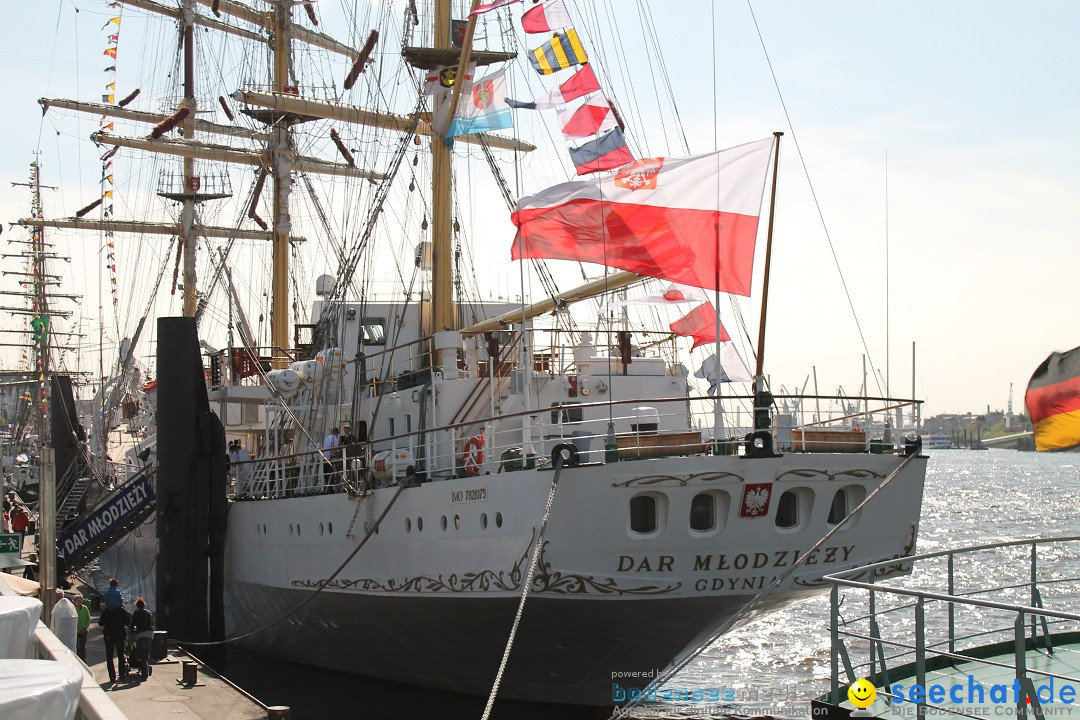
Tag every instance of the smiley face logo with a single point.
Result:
(862, 693)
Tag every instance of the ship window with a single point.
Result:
(498, 519)
(457, 522)
(443, 522)
(419, 524)
(845, 499)
(568, 413)
(330, 528)
(838, 508)
(483, 520)
(408, 524)
(787, 510)
(290, 529)
(374, 331)
(297, 529)
(320, 528)
(703, 512)
(643, 514)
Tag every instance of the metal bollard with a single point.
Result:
(277, 712)
(159, 646)
(191, 673)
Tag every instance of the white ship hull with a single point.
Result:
(435, 606)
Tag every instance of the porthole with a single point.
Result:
(498, 519)
(703, 512)
(794, 508)
(457, 522)
(443, 522)
(643, 516)
(408, 524)
(297, 529)
(320, 528)
(330, 528)
(419, 524)
(290, 529)
(838, 508)
(483, 521)
(844, 501)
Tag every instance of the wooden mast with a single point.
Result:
(762, 399)
(443, 316)
(282, 154)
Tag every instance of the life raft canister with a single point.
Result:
(474, 454)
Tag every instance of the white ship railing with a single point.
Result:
(901, 630)
(354, 469)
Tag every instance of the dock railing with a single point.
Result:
(940, 616)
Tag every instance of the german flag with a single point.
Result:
(1053, 401)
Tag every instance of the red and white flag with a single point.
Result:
(690, 220)
(592, 117)
(577, 85)
(494, 4)
(673, 295)
(700, 324)
(548, 17)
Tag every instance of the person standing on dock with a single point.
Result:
(82, 630)
(142, 625)
(114, 622)
(113, 598)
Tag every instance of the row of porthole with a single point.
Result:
(709, 510)
(328, 528)
(444, 522)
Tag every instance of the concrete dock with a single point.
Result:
(163, 697)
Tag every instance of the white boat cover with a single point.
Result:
(38, 690)
(18, 619)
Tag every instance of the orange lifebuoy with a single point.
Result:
(474, 454)
(149, 385)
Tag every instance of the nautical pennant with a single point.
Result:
(489, 6)
(562, 51)
(546, 17)
(606, 152)
(700, 324)
(592, 117)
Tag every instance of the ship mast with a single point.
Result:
(187, 214)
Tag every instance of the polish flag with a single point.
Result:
(690, 220)
(544, 18)
(592, 117)
(700, 324)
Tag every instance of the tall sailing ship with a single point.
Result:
(497, 449)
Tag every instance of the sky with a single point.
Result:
(944, 132)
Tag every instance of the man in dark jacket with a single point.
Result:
(114, 623)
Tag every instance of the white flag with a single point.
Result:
(730, 369)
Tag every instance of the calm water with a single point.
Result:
(774, 665)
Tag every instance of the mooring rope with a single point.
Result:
(525, 587)
(678, 665)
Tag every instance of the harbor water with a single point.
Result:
(772, 666)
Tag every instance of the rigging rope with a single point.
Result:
(813, 194)
(322, 583)
(525, 583)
